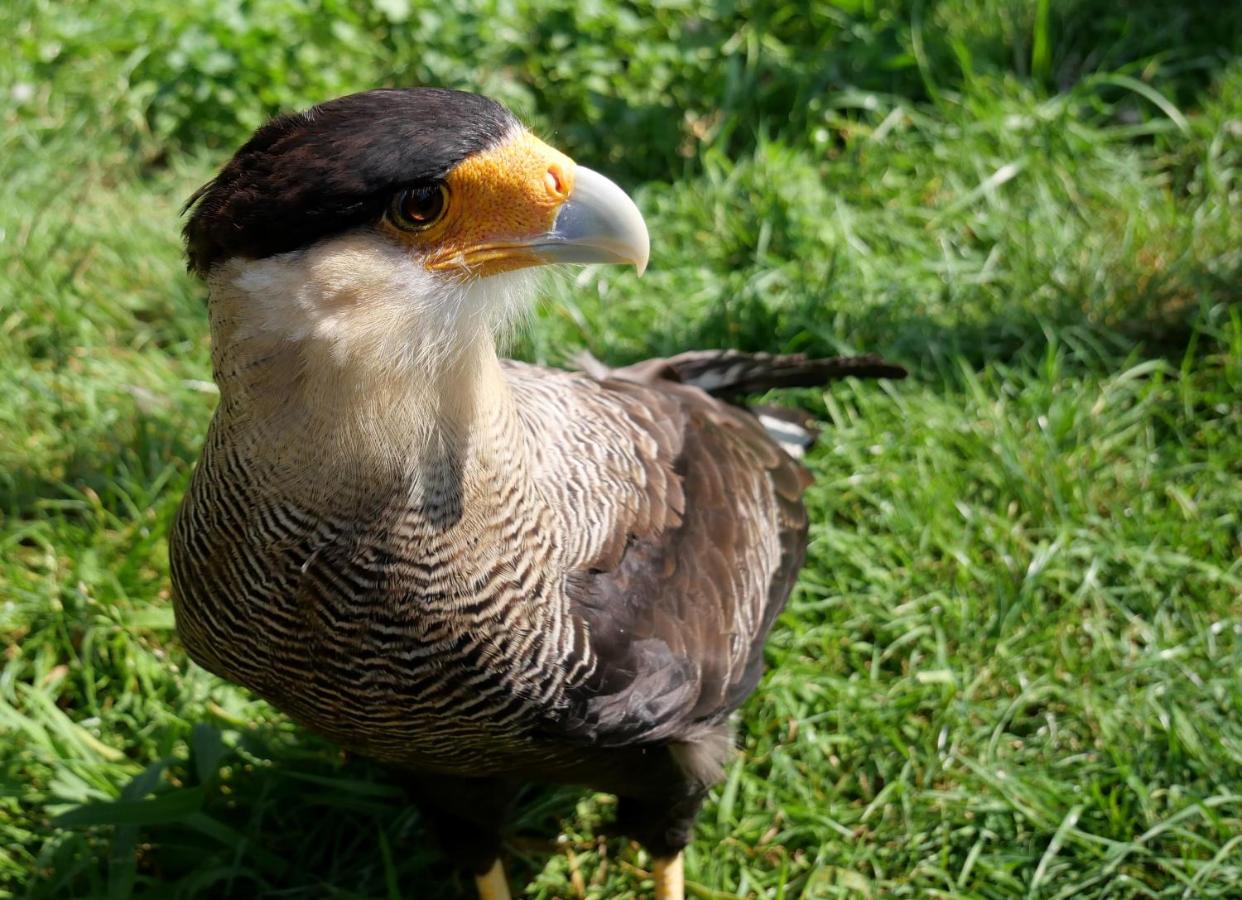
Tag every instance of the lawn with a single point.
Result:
(1013, 665)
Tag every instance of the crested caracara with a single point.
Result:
(480, 572)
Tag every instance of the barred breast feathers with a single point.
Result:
(496, 551)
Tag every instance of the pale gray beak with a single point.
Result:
(599, 223)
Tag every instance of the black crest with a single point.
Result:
(306, 176)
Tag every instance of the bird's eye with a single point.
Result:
(419, 207)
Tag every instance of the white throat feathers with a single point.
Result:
(353, 345)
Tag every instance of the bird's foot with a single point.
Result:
(492, 885)
(670, 878)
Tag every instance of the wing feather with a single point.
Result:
(685, 531)
(677, 619)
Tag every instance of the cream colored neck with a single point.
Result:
(316, 417)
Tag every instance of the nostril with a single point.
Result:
(554, 178)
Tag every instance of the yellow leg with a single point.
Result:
(492, 885)
(670, 879)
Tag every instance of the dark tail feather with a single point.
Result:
(732, 373)
(729, 373)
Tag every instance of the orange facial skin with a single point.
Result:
(497, 202)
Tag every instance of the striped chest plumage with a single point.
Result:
(412, 619)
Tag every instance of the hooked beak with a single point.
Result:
(598, 223)
(523, 204)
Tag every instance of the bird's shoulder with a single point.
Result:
(604, 455)
(695, 530)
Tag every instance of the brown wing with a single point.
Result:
(677, 619)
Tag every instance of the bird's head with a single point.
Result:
(388, 228)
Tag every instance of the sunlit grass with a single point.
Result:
(1013, 665)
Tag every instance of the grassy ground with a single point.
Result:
(1014, 663)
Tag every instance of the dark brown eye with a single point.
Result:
(418, 207)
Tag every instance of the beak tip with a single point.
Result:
(643, 246)
(599, 223)
(639, 240)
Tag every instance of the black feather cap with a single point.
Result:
(314, 174)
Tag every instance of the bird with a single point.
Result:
(481, 573)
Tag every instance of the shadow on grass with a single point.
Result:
(119, 470)
(280, 815)
(1158, 317)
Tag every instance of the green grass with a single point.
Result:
(1013, 666)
